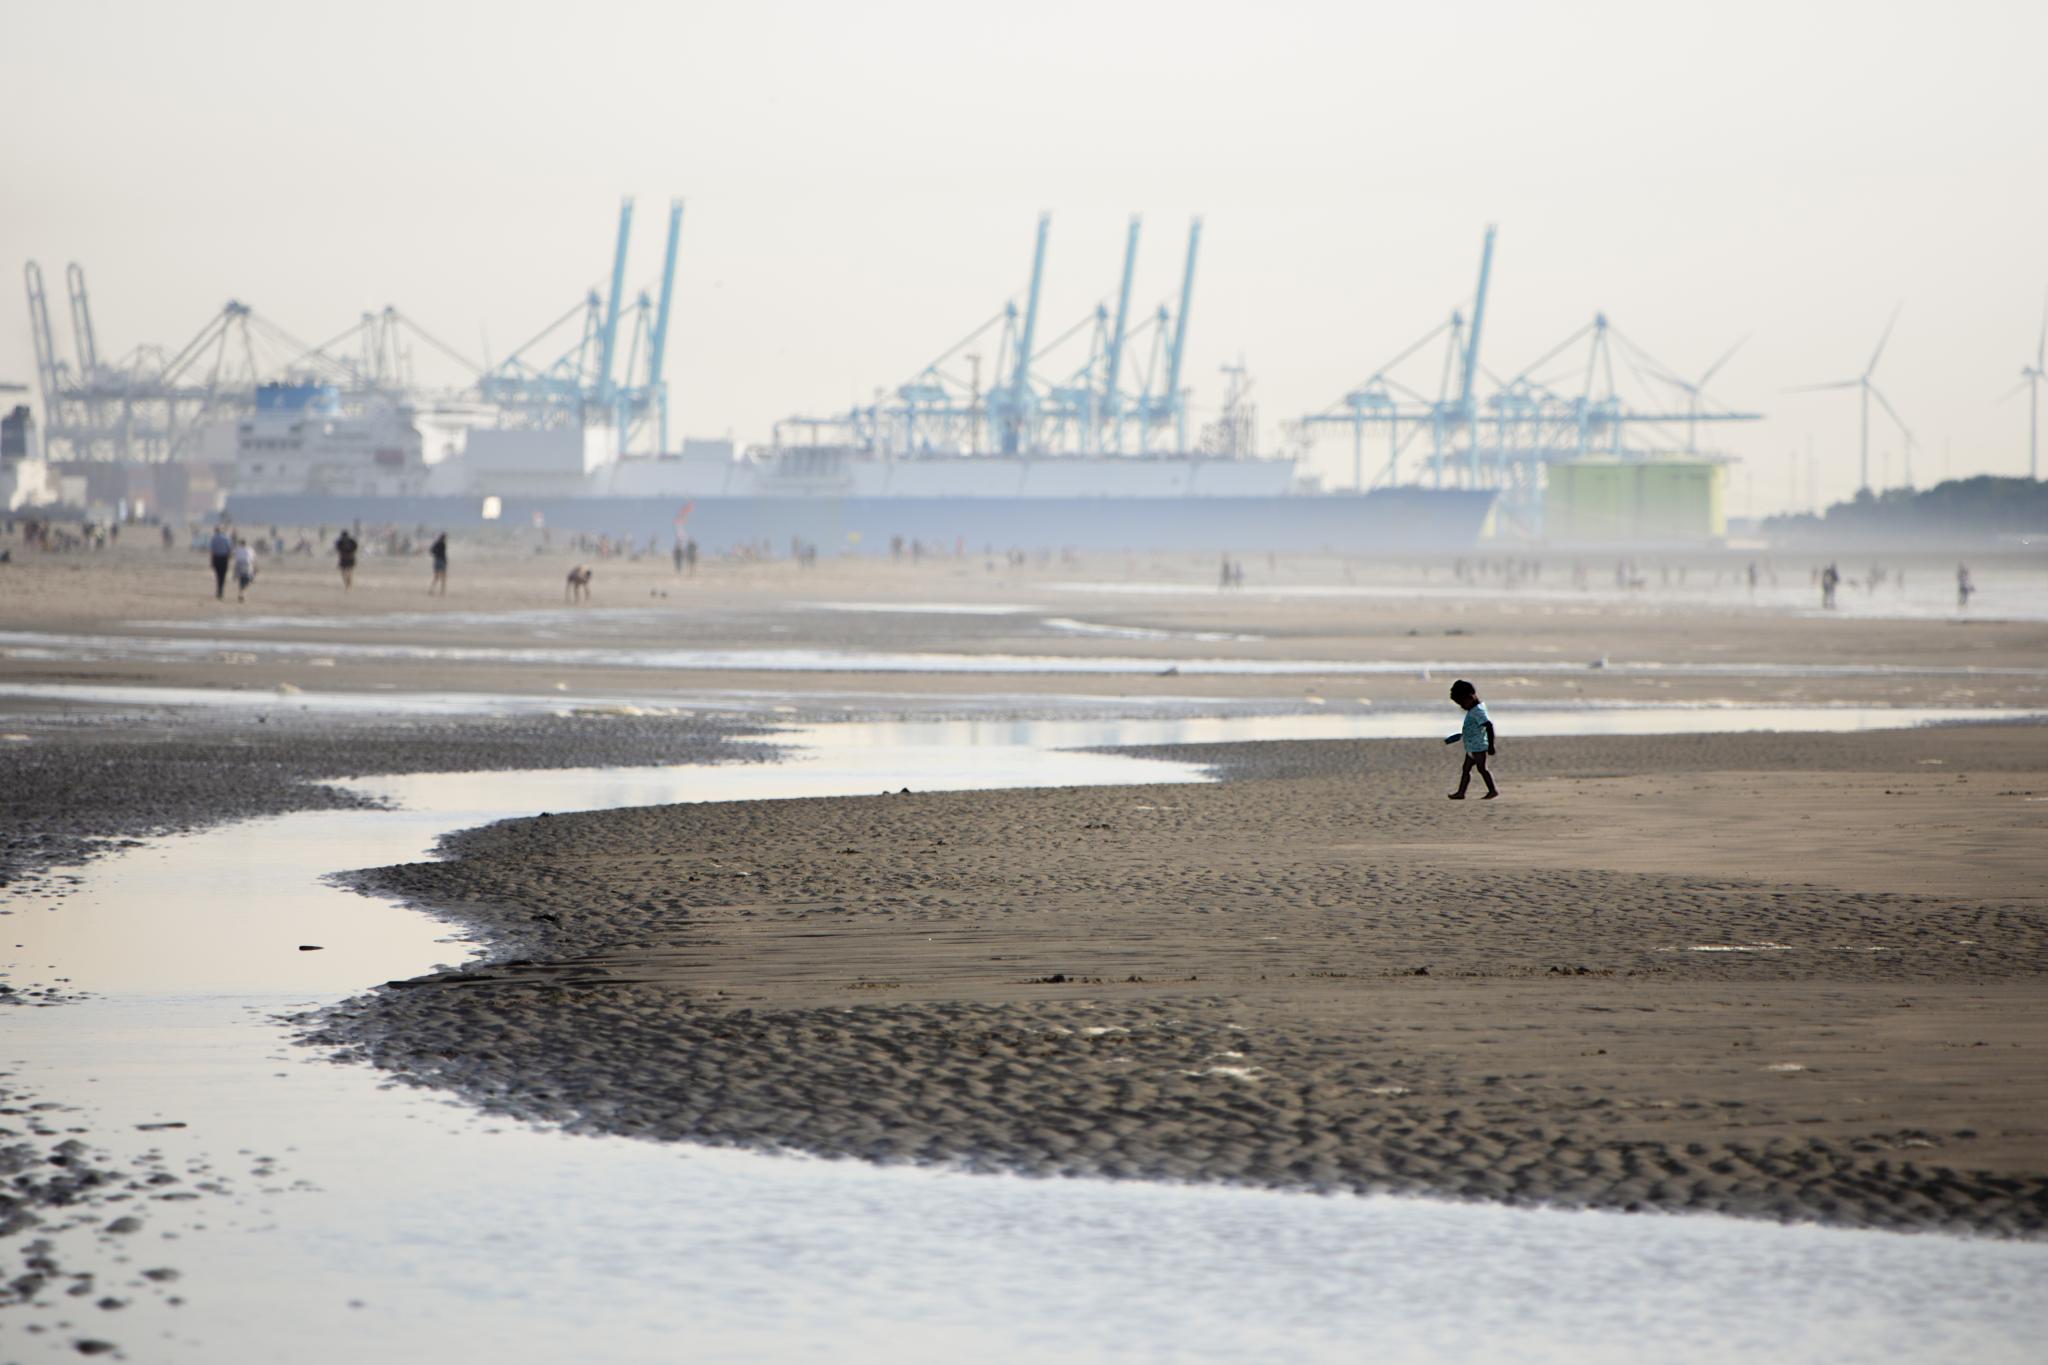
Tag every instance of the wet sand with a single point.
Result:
(76, 781)
(1791, 977)
(505, 596)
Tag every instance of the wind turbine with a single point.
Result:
(1870, 390)
(1694, 388)
(2030, 380)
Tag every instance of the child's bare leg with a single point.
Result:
(1479, 761)
(1464, 779)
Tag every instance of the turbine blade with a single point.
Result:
(1885, 403)
(1816, 388)
(1715, 367)
(1871, 368)
(2041, 347)
(2016, 390)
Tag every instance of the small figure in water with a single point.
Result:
(1964, 587)
(439, 550)
(1478, 736)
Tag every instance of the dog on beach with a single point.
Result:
(579, 584)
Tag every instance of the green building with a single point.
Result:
(1632, 502)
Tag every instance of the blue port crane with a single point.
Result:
(584, 382)
(1112, 411)
(1175, 401)
(1013, 411)
(609, 340)
(1129, 374)
(1596, 392)
(157, 403)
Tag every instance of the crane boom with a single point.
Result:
(1478, 322)
(45, 340)
(608, 340)
(659, 346)
(658, 351)
(1180, 321)
(1020, 380)
(81, 322)
(1112, 404)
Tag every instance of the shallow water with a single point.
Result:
(36, 645)
(458, 1234)
(1929, 594)
(1511, 721)
(1152, 720)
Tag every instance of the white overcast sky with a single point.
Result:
(863, 180)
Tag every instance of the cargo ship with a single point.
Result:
(839, 499)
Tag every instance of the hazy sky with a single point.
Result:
(863, 180)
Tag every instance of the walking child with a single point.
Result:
(245, 568)
(1478, 736)
(439, 551)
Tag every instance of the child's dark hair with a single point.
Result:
(1461, 688)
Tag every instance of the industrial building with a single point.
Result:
(1606, 501)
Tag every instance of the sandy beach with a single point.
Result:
(1786, 976)
(1317, 974)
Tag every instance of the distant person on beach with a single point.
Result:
(1964, 587)
(245, 568)
(578, 589)
(1830, 579)
(223, 552)
(345, 548)
(1478, 736)
(439, 550)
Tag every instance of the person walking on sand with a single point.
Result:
(1478, 736)
(245, 568)
(223, 552)
(1964, 587)
(439, 550)
(345, 548)
(1830, 578)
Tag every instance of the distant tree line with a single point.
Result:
(1979, 509)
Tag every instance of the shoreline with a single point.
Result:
(1033, 981)
(187, 769)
